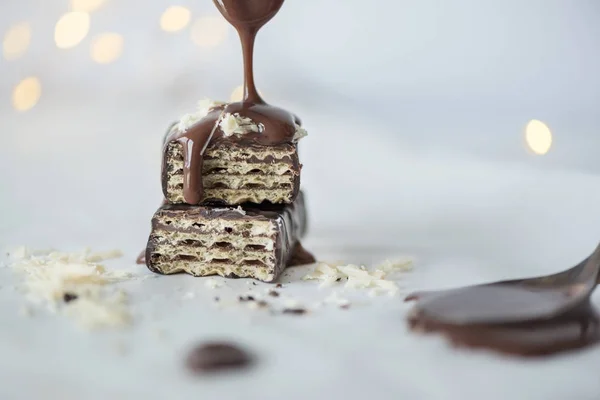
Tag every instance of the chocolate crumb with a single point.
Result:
(279, 285)
(345, 306)
(273, 293)
(246, 298)
(217, 299)
(254, 283)
(295, 311)
(68, 297)
(213, 357)
(262, 304)
(338, 279)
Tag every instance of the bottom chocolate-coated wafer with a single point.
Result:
(247, 242)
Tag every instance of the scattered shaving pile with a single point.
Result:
(74, 284)
(359, 277)
(378, 280)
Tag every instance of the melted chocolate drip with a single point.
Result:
(537, 316)
(276, 126)
(300, 256)
(141, 259)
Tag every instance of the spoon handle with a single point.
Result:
(591, 270)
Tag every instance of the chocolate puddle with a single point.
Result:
(528, 317)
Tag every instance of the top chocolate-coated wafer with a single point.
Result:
(233, 154)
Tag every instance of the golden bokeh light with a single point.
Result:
(16, 41)
(86, 5)
(175, 18)
(209, 31)
(26, 94)
(106, 48)
(71, 29)
(538, 137)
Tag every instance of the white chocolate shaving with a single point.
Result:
(202, 110)
(235, 124)
(300, 133)
(335, 299)
(359, 277)
(50, 276)
(238, 209)
(212, 283)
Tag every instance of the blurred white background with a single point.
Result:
(464, 132)
(406, 103)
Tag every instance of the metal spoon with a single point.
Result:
(533, 299)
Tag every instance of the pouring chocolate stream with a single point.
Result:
(256, 122)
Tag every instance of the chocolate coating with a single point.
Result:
(211, 232)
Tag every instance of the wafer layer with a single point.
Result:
(234, 174)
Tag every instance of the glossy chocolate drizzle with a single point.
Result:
(276, 126)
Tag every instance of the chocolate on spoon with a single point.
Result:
(539, 315)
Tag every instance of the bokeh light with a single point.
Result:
(26, 94)
(175, 18)
(16, 41)
(86, 5)
(210, 31)
(71, 29)
(538, 137)
(106, 48)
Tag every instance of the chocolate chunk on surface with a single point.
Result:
(249, 242)
(295, 311)
(213, 357)
(69, 297)
(233, 173)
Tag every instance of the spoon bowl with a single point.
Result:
(540, 298)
